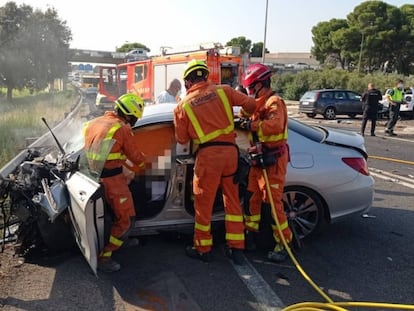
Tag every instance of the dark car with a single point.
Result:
(330, 103)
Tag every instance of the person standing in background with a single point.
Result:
(370, 100)
(395, 98)
(170, 95)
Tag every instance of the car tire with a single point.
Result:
(330, 113)
(306, 215)
(310, 115)
(56, 235)
(305, 210)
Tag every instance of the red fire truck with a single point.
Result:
(148, 77)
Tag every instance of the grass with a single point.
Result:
(20, 121)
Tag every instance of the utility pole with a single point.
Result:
(265, 29)
(360, 52)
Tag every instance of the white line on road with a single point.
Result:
(266, 298)
(401, 180)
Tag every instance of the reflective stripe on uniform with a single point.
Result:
(98, 156)
(106, 254)
(115, 241)
(208, 242)
(270, 138)
(235, 236)
(205, 137)
(204, 228)
(233, 218)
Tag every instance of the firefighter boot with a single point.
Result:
(250, 240)
(108, 265)
(130, 243)
(236, 255)
(193, 253)
(278, 255)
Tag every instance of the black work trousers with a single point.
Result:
(393, 115)
(364, 125)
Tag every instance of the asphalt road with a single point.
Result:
(359, 259)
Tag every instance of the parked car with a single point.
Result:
(327, 180)
(330, 103)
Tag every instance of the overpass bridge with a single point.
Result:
(94, 56)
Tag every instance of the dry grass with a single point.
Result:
(20, 121)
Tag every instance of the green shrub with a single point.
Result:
(292, 86)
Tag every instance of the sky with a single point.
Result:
(184, 24)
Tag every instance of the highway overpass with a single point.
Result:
(99, 57)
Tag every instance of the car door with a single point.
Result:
(341, 103)
(354, 103)
(87, 216)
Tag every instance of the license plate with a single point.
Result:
(305, 103)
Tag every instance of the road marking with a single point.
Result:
(266, 298)
(391, 160)
(401, 180)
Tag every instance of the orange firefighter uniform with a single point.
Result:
(205, 116)
(111, 127)
(270, 122)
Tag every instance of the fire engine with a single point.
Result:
(149, 76)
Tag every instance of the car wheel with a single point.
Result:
(352, 115)
(330, 113)
(310, 115)
(305, 211)
(57, 236)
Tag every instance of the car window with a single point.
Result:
(339, 95)
(327, 95)
(353, 96)
(308, 95)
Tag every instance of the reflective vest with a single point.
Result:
(397, 95)
(203, 137)
(101, 154)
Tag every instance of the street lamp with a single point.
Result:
(264, 40)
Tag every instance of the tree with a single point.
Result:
(375, 36)
(323, 35)
(241, 42)
(381, 34)
(257, 50)
(126, 47)
(37, 52)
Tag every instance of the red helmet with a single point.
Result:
(256, 73)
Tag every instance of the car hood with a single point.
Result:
(344, 138)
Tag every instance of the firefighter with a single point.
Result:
(205, 116)
(268, 135)
(109, 144)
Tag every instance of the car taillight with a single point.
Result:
(358, 164)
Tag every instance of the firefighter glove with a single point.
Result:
(245, 124)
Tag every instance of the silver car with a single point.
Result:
(327, 180)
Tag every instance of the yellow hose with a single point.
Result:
(330, 304)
